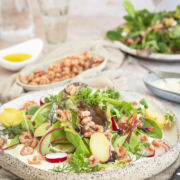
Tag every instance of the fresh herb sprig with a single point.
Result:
(11, 131)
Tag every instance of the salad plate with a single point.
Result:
(150, 35)
(76, 132)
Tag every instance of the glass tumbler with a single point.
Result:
(16, 20)
(54, 14)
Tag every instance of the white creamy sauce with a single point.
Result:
(44, 164)
(170, 84)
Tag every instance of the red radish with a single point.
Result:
(131, 124)
(132, 127)
(41, 102)
(166, 147)
(56, 157)
(6, 148)
(147, 155)
(59, 139)
(114, 125)
(40, 143)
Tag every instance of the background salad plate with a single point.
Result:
(145, 54)
(142, 169)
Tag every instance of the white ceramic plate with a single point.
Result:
(142, 169)
(45, 65)
(153, 56)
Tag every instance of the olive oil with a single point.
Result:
(17, 57)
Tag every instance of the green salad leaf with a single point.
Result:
(12, 131)
(41, 115)
(26, 124)
(15, 140)
(32, 110)
(156, 131)
(129, 8)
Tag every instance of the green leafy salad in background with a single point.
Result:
(83, 130)
(145, 30)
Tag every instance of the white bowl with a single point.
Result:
(32, 47)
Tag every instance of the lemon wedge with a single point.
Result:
(155, 116)
(11, 117)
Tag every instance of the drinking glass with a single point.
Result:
(16, 20)
(54, 15)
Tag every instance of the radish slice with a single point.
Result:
(6, 148)
(56, 157)
(146, 153)
(40, 143)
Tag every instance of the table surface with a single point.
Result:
(96, 26)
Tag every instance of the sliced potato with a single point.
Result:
(99, 146)
(11, 117)
(157, 117)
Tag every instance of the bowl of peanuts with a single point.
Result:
(60, 71)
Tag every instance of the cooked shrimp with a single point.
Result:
(3, 141)
(94, 161)
(98, 128)
(91, 124)
(108, 135)
(143, 138)
(36, 160)
(121, 153)
(33, 143)
(62, 115)
(88, 134)
(68, 114)
(29, 104)
(72, 90)
(70, 127)
(122, 122)
(26, 150)
(150, 148)
(25, 138)
(68, 158)
(86, 120)
(29, 116)
(157, 143)
(83, 114)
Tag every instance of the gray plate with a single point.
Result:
(150, 78)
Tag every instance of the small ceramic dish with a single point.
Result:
(45, 65)
(169, 95)
(32, 47)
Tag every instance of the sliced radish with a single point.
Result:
(56, 157)
(40, 144)
(166, 147)
(6, 148)
(59, 139)
(146, 153)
